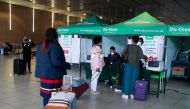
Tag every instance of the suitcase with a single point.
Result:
(62, 100)
(18, 66)
(141, 89)
(79, 86)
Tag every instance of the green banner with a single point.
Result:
(179, 30)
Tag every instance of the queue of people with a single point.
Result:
(125, 67)
(51, 65)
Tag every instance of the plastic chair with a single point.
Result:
(161, 77)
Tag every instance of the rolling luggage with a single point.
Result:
(79, 86)
(18, 66)
(62, 100)
(141, 89)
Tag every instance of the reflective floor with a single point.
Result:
(22, 92)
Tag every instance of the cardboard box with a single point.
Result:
(178, 70)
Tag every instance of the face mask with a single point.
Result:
(139, 43)
(112, 53)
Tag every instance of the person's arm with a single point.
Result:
(141, 55)
(57, 56)
(117, 57)
(124, 54)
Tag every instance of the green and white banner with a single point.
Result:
(179, 30)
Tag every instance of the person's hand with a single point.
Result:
(146, 58)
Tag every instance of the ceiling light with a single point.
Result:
(68, 7)
(84, 14)
(53, 4)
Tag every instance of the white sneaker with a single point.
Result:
(111, 87)
(95, 92)
(132, 96)
(125, 96)
(117, 90)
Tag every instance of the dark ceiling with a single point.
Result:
(169, 11)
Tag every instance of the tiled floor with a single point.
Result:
(22, 92)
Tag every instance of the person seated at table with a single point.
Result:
(115, 61)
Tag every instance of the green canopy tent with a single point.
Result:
(91, 25)
(143, 24)
(179, 30)
(88, 26)
(177, 41)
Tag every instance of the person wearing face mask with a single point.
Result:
(115, 61)
(132, 54)
(97, 63)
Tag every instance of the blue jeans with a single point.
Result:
(129, 77)
(45, 100)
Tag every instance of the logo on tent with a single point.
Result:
(180, 29)
(62, 30)
(110, 29)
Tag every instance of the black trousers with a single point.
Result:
(27, 61)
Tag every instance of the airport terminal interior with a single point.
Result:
(166, 46)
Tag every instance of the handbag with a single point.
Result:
(62, 100)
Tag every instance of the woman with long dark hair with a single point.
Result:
(50, 65)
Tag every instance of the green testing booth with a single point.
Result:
(144, 25)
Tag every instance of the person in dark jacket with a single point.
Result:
(115, 61)
(50, 65)
(27, 45)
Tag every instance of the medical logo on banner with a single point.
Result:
(153, 47)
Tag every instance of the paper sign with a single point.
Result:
(67, 82)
